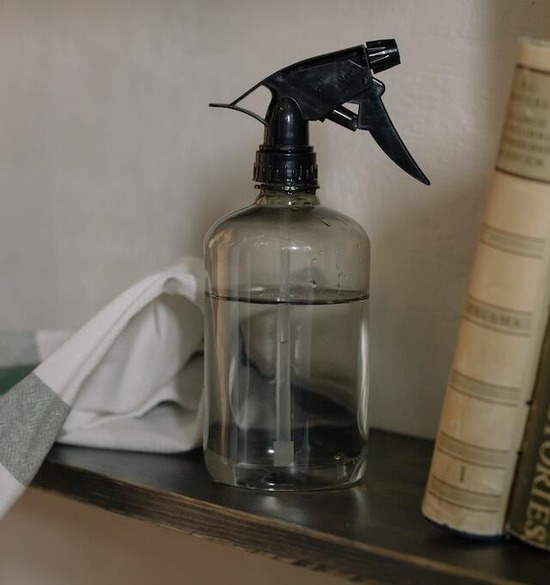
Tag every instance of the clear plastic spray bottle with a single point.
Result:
(287, 293)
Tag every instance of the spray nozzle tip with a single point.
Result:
(383, 54)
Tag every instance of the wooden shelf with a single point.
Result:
(372, 532)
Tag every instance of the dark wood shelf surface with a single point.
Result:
(373, 532)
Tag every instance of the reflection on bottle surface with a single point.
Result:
(287, 388)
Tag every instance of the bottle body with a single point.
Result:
(286, 345)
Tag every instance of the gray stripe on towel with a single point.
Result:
(31, 416)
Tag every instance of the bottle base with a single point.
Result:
(291, 478)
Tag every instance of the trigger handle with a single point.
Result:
(374, 117)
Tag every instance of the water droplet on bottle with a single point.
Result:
(313, 283)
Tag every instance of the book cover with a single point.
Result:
(492, 376)
(529, 517)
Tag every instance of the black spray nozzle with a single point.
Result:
(317, 89)
(382, 55)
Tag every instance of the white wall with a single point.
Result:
(112, 165)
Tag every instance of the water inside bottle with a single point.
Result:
(287, 388)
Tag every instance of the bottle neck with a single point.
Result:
(283, 196)
(285, 157)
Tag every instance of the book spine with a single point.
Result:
(490, 384)
(529, 516)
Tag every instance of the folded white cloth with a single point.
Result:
(131, 378)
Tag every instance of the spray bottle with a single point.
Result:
(287, 291)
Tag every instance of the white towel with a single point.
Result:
(131, 378)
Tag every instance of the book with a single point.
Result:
(529, 515)
(492, 376)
